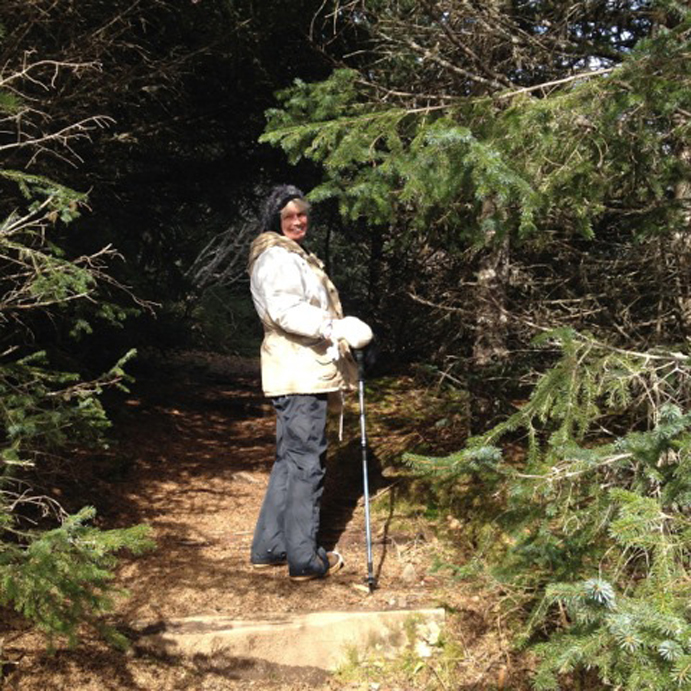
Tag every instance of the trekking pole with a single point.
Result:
(359, 356)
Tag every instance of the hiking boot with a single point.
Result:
(334, 563)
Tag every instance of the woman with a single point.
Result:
(305, 356)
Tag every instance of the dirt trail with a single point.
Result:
(197, 441)
(202, 453)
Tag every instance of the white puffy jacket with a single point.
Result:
(295, 299)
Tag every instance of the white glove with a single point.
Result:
(352, 330)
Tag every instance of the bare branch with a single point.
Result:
(456, 69)
(81, 129)
(28, 69)
(222, 261)
(557, 82)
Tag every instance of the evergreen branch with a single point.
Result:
(344, 123)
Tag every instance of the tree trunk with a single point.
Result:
(491, 320)
(680, 251)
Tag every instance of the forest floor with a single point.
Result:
(195, 448)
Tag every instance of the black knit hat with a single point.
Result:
(275, 202)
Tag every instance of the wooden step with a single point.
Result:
(324, 640)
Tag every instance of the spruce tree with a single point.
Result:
(541, 135)
(591, 531)
(56, 569)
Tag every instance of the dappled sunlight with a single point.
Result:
(195, 461)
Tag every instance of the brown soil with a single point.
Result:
(195, 451)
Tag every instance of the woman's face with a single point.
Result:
(294, 221)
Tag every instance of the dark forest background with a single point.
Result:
(502, 189)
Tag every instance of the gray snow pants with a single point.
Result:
(289, 518)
